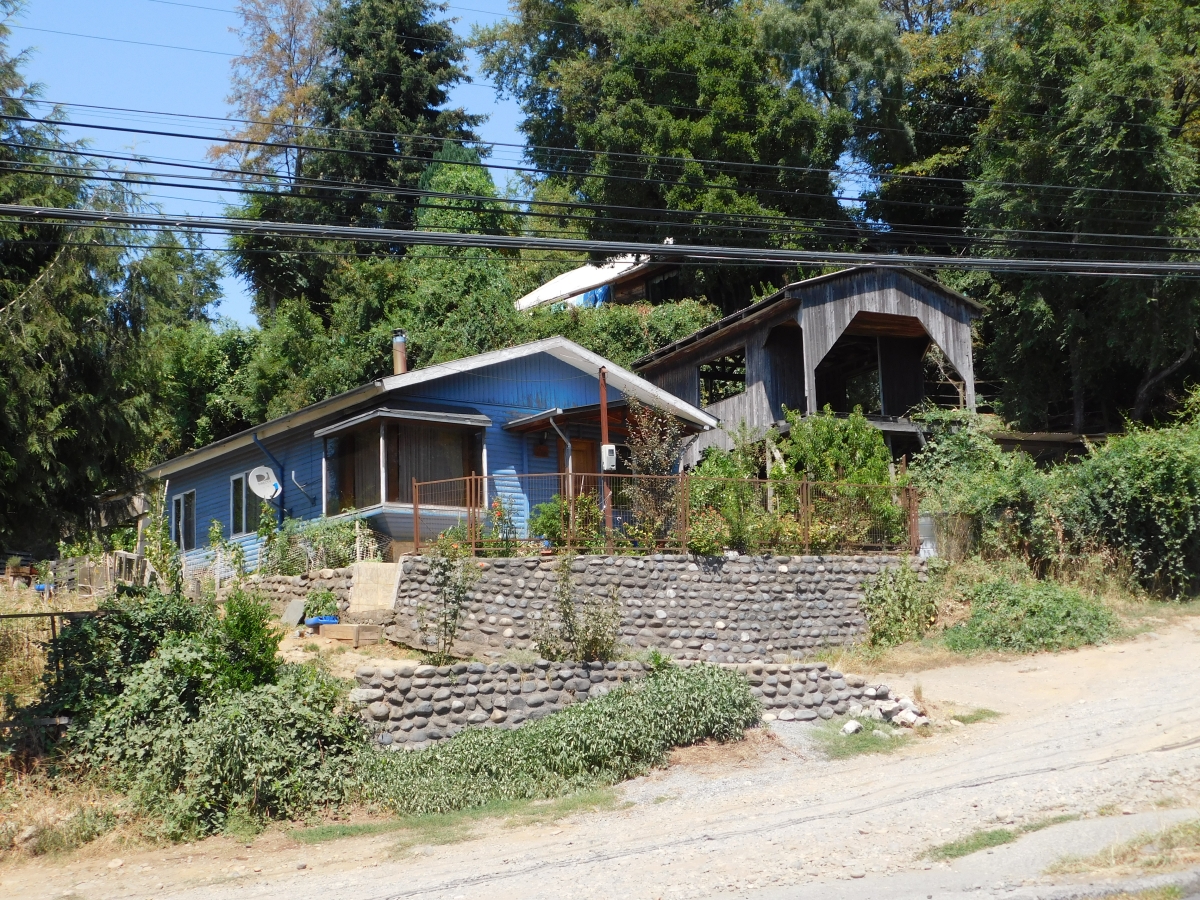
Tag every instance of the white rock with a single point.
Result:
(852, 727)
(879, 732)
(768, 717)
(905, 717)
(855, 710)
(116, 863)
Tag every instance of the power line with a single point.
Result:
(33, 214)
(591, 154)
(822, 229)
(756, 191)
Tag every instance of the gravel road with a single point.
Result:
(1111, 734)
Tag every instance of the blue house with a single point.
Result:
(512, 414)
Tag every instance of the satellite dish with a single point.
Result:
(264, 483)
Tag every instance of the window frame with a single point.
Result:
(236, 528)
(731, 359)
(179, 521)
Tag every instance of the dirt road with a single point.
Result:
(1111, 734)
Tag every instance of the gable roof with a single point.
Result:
(789, 293)
(558, 347)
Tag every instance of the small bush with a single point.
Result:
(708, 532)
(96, 654)
(320, 603)
(195, 760)
(588, 632)
(1029, 616)
(246, 642)
(596, 743)
(898, 607)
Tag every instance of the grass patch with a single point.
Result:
(433, 829)
(836, 745)
(1173, 847)
(82, 827)
(977, 715)
(986, 838)
(1169, 892)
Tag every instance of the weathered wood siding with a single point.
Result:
(829, 306)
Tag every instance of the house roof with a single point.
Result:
(585, 278)
(558, 347)
(789, 293)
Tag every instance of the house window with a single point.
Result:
(352, 469)
(183, 525)
(429, 452)
(723, 377)
(244, 506)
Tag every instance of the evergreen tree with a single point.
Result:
(380, 108)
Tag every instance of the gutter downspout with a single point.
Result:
(570, 476)
(278, 471)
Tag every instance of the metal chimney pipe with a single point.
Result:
(399, 352)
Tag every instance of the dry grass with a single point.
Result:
(64, 815)
(1174, 847)
(749, 751)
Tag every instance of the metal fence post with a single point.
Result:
(805, 512)
(914, 520)
(685, 503)
(416, 492)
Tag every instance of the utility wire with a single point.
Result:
(607, 248)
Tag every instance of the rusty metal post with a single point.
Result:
(685, 504)
(416, 517)
(805, 512)
(914, 520)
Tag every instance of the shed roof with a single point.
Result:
(767, 305)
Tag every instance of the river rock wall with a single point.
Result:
(720, 610)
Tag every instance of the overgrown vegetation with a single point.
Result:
(1169, 848)
(897, 607)
(1135, 498)
(589, 631)
(452, 574)
(1026, 617)
(603, 741)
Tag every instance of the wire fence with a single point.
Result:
(509, 514)
(293, 550)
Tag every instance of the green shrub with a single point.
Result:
(708, 532)
(246, 641)
(194, 758)
(1029, 616)
(320, 603)
(599, 742)
(828, 447)
(898, 607)
(588, 632)
(1140, 493)
(96, 654)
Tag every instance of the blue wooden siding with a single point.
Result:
(502, 392)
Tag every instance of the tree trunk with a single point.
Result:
(1152, 380)
(1077, 385)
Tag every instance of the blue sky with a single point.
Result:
(189, 75)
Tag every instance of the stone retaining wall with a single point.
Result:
(282, 589)
(726, 610)
(409, 706)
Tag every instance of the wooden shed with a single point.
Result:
(866, 336)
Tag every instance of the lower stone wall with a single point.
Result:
(717, 609)
(409, 706)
